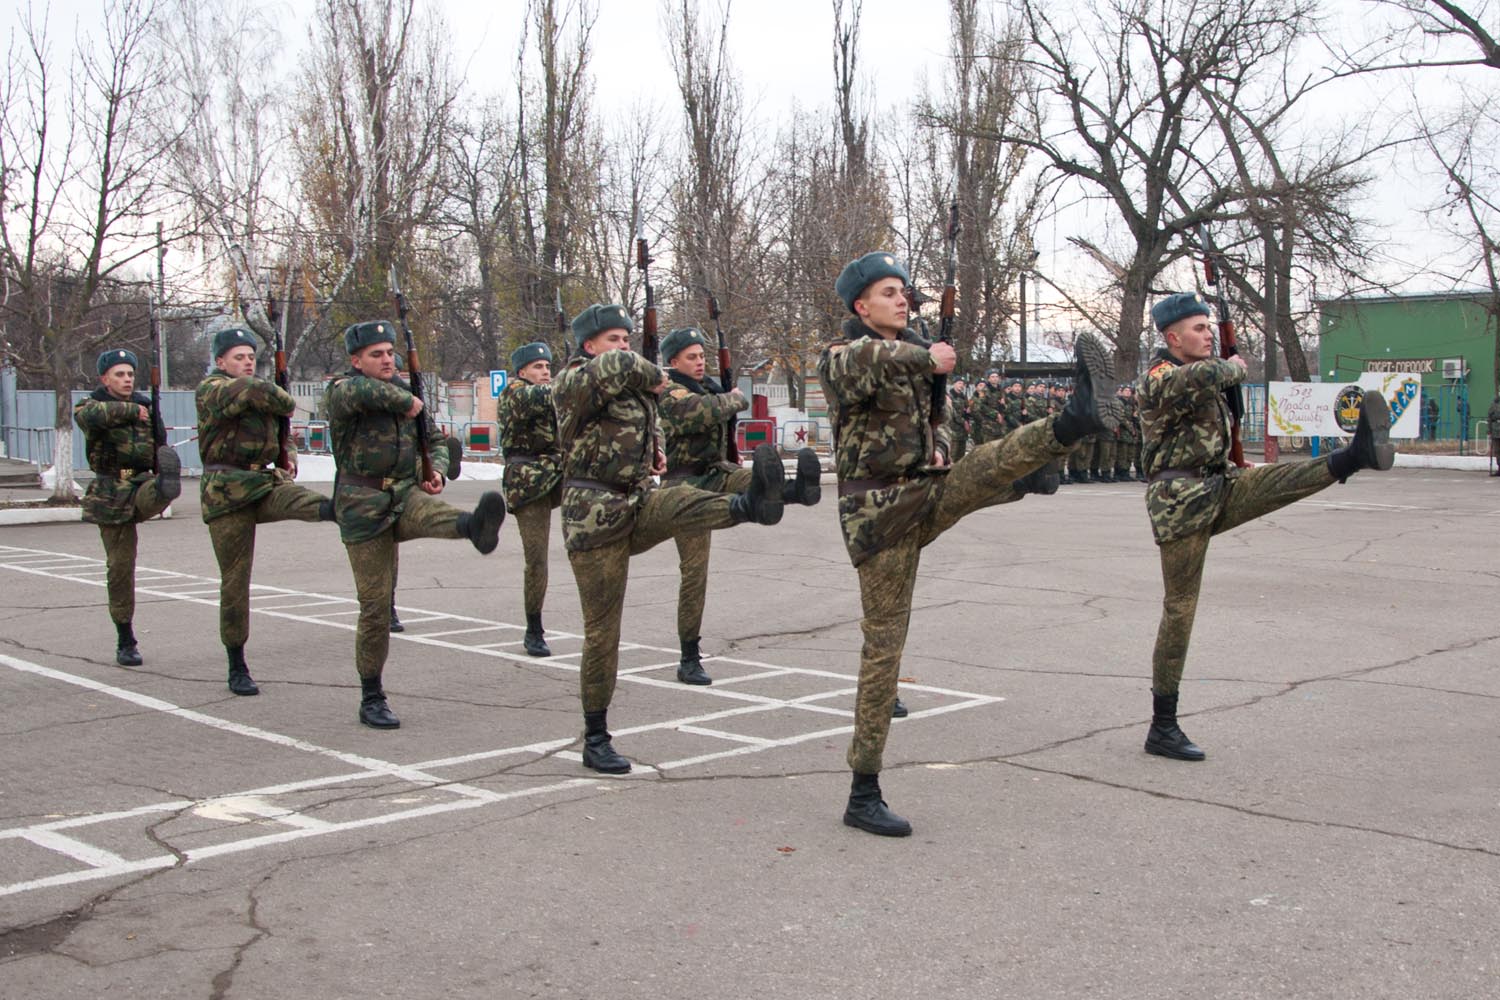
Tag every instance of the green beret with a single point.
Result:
(860, 274)
(234, 337)
(362, 335)
(527, 353)
(1177, 307)
(597, 318)
(678, 341)
(109, 359)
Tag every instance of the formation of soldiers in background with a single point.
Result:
(995, 406)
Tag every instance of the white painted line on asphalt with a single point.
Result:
(94, 857)
(464, 631)
(720, 734)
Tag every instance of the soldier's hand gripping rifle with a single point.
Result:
(158, 429)
(949, 305)
(726, 379)
(414, 372)
(648, 315)
(281, 377)
(1213, 263)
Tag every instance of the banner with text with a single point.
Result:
(1331, 409)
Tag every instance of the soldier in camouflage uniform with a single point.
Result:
(896, 494)
(958, 418)
(1128, 444)
(1013, 406)
(979, 406)
(239, 419)
(607, 424)
(381, 498)
(695, 419)
(1195, 492)
(533, 474)
(121, 441)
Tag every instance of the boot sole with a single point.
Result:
(1096, 360)
(168, 474)
(594, 766)
(1158, 751)
(489, 513)
(879, 831)
(1375, 413)
(809, 478)
(769, 477)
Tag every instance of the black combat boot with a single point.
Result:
(240, 681)
(762, 502)
(455, 459)
(1165, 738)
(396, 625)
(690, 670)
(168, 474)
(536, 637)
(1123, 475)
(373, 711)
(482, 525)
(1371, 447)
(1043, 481)
(867, 810)
(806, 489)
(598, 753)
(325, 509)
(127, 653)
(898, 710)
(1093, 407)
(1104, 476)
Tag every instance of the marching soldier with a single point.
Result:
(606, 400)
(1195, 492)
(980, 404)
(243, 485)
(695, 417)
(533, 474)
(1128, 445)
(121, 439)
(893, 496)
(381, 497)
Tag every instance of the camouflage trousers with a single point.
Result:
(960, 443)
(1104, 455)
(1081, 458)
(119, 552)
(692, 560)
(601, 575)
(1127, 455)
(233, 537)
(534, 521)
(886, 579)
(374, 564)
(1251, 494)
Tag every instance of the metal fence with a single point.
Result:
(27, 415)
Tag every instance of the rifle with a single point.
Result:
(648, 316)
(281, 377)
(158, 430)
(414, 372)
(726, 378)
(949, 304)
(1213, 263)
(564, 341)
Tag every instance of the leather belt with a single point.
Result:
(851, 486)
(1166, 474)
(368, 482)
(226, 467)
(519, 456)
(594, 484)
(684, 471)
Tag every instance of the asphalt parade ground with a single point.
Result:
(163, 838)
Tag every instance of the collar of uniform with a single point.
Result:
(854, 328)
(691, 384)
(1162, 354)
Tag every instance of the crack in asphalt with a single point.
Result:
(224, 980)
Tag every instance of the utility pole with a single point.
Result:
(161, 297)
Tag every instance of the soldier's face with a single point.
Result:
(882, 306)
(1191, 339)
(376, 361)
(994, 381)
(539, 372)
(692, 361)
(606, 341)
(119, 381)
(237, 362)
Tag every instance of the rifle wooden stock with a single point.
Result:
(1228, 346)
(414, 372)
(726, 380)
(282, 377)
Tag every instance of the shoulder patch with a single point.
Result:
(1159, 369)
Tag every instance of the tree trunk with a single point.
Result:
(62, 451)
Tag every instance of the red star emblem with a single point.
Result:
(801, 434)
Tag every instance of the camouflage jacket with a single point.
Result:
(238, 421)
(695, 423)
(528, 428)
(1185, 425)
(1036, 408)
(373, 439)
(880, 400)
(120, 449)
(1130, 421)
(608, 431)
(958, 418)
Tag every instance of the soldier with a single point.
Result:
(1493, 418)
(121, 439)
(1103, 467)
(533, 474)
(695, 419)
(980, 404)
(893, 497)
(958, 417)
(381, 498)
(1128, 445)
(246, 481)
(606, 400)
(1195, 492)
(1014, 408)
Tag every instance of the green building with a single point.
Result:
(1448, 339)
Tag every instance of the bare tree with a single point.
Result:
(77, 182)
